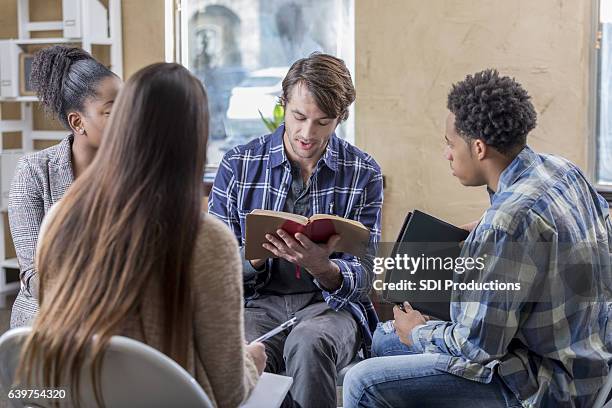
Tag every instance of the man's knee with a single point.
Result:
(307, 342)
(356, 374)
(356, 382)
(256, 323)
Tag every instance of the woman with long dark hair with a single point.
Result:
(79, 92)
(129, 251)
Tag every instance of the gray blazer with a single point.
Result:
(41, 179)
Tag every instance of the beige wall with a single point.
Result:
(8, 19)
(143, 34)
(409, 52)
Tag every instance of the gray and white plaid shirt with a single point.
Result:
(41, 179)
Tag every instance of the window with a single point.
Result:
(603, 143)
(242, 49)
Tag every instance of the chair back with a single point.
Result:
(132, 375)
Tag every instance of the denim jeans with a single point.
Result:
(402, 378)
(413, 381)
(386, 342)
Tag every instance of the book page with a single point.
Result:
(281, 214)
(338, 219)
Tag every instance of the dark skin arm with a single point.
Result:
(406, 320)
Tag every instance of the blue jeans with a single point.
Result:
(386, 342)
(413, 381)
(404, 378)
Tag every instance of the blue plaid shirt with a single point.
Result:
(548, 229)
(346, 182)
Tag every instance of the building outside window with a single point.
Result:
(603, 135)
(242, 49)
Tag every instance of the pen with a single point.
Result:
(277, 330)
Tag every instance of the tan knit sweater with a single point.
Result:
(217, 357)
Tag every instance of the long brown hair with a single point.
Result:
(131, 219)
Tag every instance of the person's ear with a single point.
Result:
(479, 149)
(76, 123)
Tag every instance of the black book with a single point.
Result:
(430, 239)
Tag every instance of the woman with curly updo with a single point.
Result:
(78, 91)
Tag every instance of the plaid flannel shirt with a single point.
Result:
(547, 228)
(346, 182)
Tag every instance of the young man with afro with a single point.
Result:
(548, 230)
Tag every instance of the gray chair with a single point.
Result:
(136, 375)
(133, 375)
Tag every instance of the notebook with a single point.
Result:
(425, 236)
(269, 392)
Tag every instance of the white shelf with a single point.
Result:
(11, 126)
(51, 40)
(9, 287)
(11, 263)
(32, 98)
(102, 41)
(48, 134)
(45, 26)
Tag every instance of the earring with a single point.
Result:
(81, 130)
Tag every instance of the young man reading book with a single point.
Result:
(305, 169)
(548, 229)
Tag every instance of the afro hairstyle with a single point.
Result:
(493, 108)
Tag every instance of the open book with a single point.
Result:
(354, 235)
